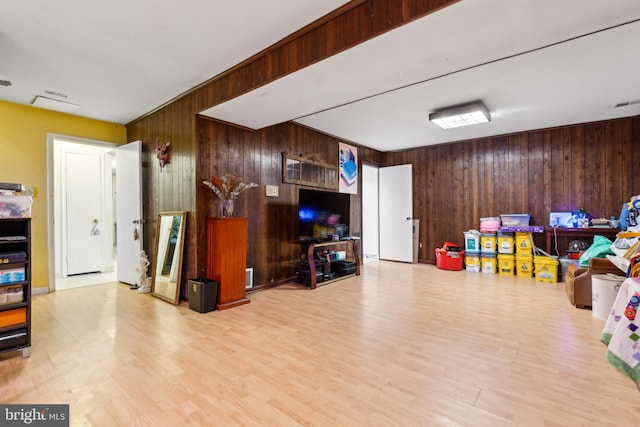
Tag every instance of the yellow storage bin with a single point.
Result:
(546, 269)
(488, 242)
(472, 261)
(524, 265)
(488, 261)
(505, 264)
(506, 243)
(523, 244)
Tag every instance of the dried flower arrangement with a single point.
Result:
(228, 186)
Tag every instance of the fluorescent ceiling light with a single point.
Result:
(54, 104)
(461, 115)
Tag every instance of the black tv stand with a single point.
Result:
(351, 246)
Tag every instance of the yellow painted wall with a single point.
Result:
(23, 160)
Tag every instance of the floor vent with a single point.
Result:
(249, 278)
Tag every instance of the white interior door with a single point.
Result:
(83, 212)
(396, 211)
(128, 211)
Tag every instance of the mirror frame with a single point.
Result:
(169, 295)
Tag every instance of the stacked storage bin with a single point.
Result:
(472, 250)
(506, 257)
(524, 255)
(488, 243)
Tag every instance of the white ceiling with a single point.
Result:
(534, 63)
(120, 59)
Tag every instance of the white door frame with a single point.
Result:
(51, 194)
(396, 212)
(370, 217)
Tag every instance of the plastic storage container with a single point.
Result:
(15, 206)
(488, 242)
(12, 275)
(604, 289)
(489, 224)
(506, 263)
(450, 257)
(564, 266)
(524, 265)
(13, 317)
(523, 244)
(472, 261)
(488, 262)
(546, 269)
(11, 294)
(506, 243)
(515, 220)
(471, 241)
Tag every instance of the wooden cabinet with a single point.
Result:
(15, 285)
(566, 235)
(350, 246)
(227, 259)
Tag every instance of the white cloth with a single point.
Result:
(621, 331)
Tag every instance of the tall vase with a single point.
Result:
(226, 208)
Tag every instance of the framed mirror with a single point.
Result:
(165, 280)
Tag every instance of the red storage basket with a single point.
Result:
(449, 260)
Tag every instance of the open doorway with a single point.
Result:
(81, 212)
(387, 209)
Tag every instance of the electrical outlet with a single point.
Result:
(272, 191)
(420, 245)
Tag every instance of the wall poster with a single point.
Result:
(348, 168)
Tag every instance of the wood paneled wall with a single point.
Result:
(176, 188)
(173, 188)
(588, 165)
(594, 166)
(256, 156)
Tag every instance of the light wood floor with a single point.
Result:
(401, 345)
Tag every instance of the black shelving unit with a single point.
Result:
(15, 285)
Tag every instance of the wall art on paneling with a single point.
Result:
(348, 168)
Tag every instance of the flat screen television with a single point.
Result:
(322, 214)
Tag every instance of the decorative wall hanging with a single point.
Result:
(348, 168)
(309, 170)
(162, 153)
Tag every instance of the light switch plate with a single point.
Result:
(272, 191)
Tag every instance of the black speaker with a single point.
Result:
(203, 294)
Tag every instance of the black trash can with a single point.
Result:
(203, 294)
